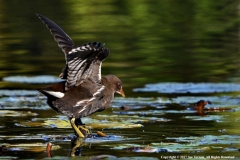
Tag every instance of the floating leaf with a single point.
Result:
(114, 125)
(190, 88)
(209, 139)
(125, 119)
(142, 113)
(207, 118)
(32, 79)
(5, 92)
(10, 113)
(33, 147)
(23, 102)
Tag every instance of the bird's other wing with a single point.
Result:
(85, 62)
(81, 62)
(63, 40)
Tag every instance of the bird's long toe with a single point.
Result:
(84, 130)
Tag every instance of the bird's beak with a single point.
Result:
(121, 92)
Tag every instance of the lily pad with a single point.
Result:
(33, 147)
(190, 88)
(114, 125)
(99, 123)
(93, 139)
(63, 122)
(32, 79)
(10, 113)
(217, 101)
(138, 103)
(5, 92)
(108, 138)
(23, 102)
(184, 145)
(207, 118)
(160, 147)
(210, 139)
(142, 113)
(134, 119)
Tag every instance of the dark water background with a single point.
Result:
(150, 42)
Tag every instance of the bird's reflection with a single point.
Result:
(3, 150)
(77, 142)
(76, 146)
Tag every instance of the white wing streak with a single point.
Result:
(91, 105)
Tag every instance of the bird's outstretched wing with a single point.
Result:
(81, 62)
(63, 40)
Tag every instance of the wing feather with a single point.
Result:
(82, 62)
(85, 62)
(63, 40)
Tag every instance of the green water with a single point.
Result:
(150, 42)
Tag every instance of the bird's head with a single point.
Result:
(114, 83)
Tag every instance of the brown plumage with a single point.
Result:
(83, 91)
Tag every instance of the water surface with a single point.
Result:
(152, 44)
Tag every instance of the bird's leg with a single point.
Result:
(76, 129)
(81, 126)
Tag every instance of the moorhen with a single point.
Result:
(84, 91)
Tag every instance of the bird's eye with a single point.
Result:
(119, 85)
